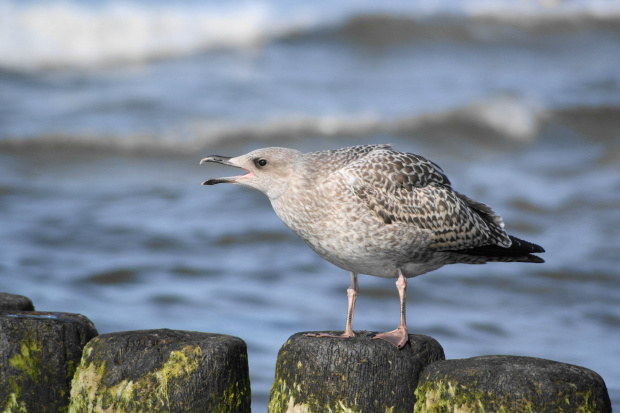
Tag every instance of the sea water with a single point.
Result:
(107, 107)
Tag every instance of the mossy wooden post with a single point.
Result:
(510, 384)
(356, 374)
(39, 352)
(162, 371)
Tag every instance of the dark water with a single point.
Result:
(101, 211)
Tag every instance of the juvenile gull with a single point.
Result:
(373, 210)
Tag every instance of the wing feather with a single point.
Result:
(406, 188)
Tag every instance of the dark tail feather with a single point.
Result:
(519, 251)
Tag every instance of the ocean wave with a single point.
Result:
(501, 119)
(474, 27)
(66, 34)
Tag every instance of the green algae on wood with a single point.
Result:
(28, 359)
(164, 371)
(510, 384)
(40, 351)
(349, 375)
(150, 390)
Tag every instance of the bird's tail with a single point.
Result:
(519, 251)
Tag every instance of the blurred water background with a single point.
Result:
(106, 107)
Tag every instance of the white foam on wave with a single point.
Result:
(66, 34)
(516, 119)
(503, 118)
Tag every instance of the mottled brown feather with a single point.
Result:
(407, 188)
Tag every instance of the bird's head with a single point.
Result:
(267, 169)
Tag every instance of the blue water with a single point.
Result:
(107, 107)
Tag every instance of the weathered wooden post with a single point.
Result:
(510, 384)
(15, 302)
(39, 352)
(162, 370)
(349, 374)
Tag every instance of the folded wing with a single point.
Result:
(406, 188)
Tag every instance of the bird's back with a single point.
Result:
(406, 188)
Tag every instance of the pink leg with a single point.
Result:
(399, 336)
(352, 296)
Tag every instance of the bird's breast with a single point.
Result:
(349, 235)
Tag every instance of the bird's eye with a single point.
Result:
(261, 162)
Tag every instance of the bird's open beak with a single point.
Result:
(224, 160)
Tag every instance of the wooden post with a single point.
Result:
(356, 374)
(162, 370)
(39, 352)
(13, 302)
(510, 384)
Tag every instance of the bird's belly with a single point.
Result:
(360, 262)
(380, 264)
(363, 244)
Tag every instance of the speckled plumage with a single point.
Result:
(373, 210)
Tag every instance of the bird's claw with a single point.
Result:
(398, 337)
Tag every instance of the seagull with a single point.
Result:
(373, 210)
